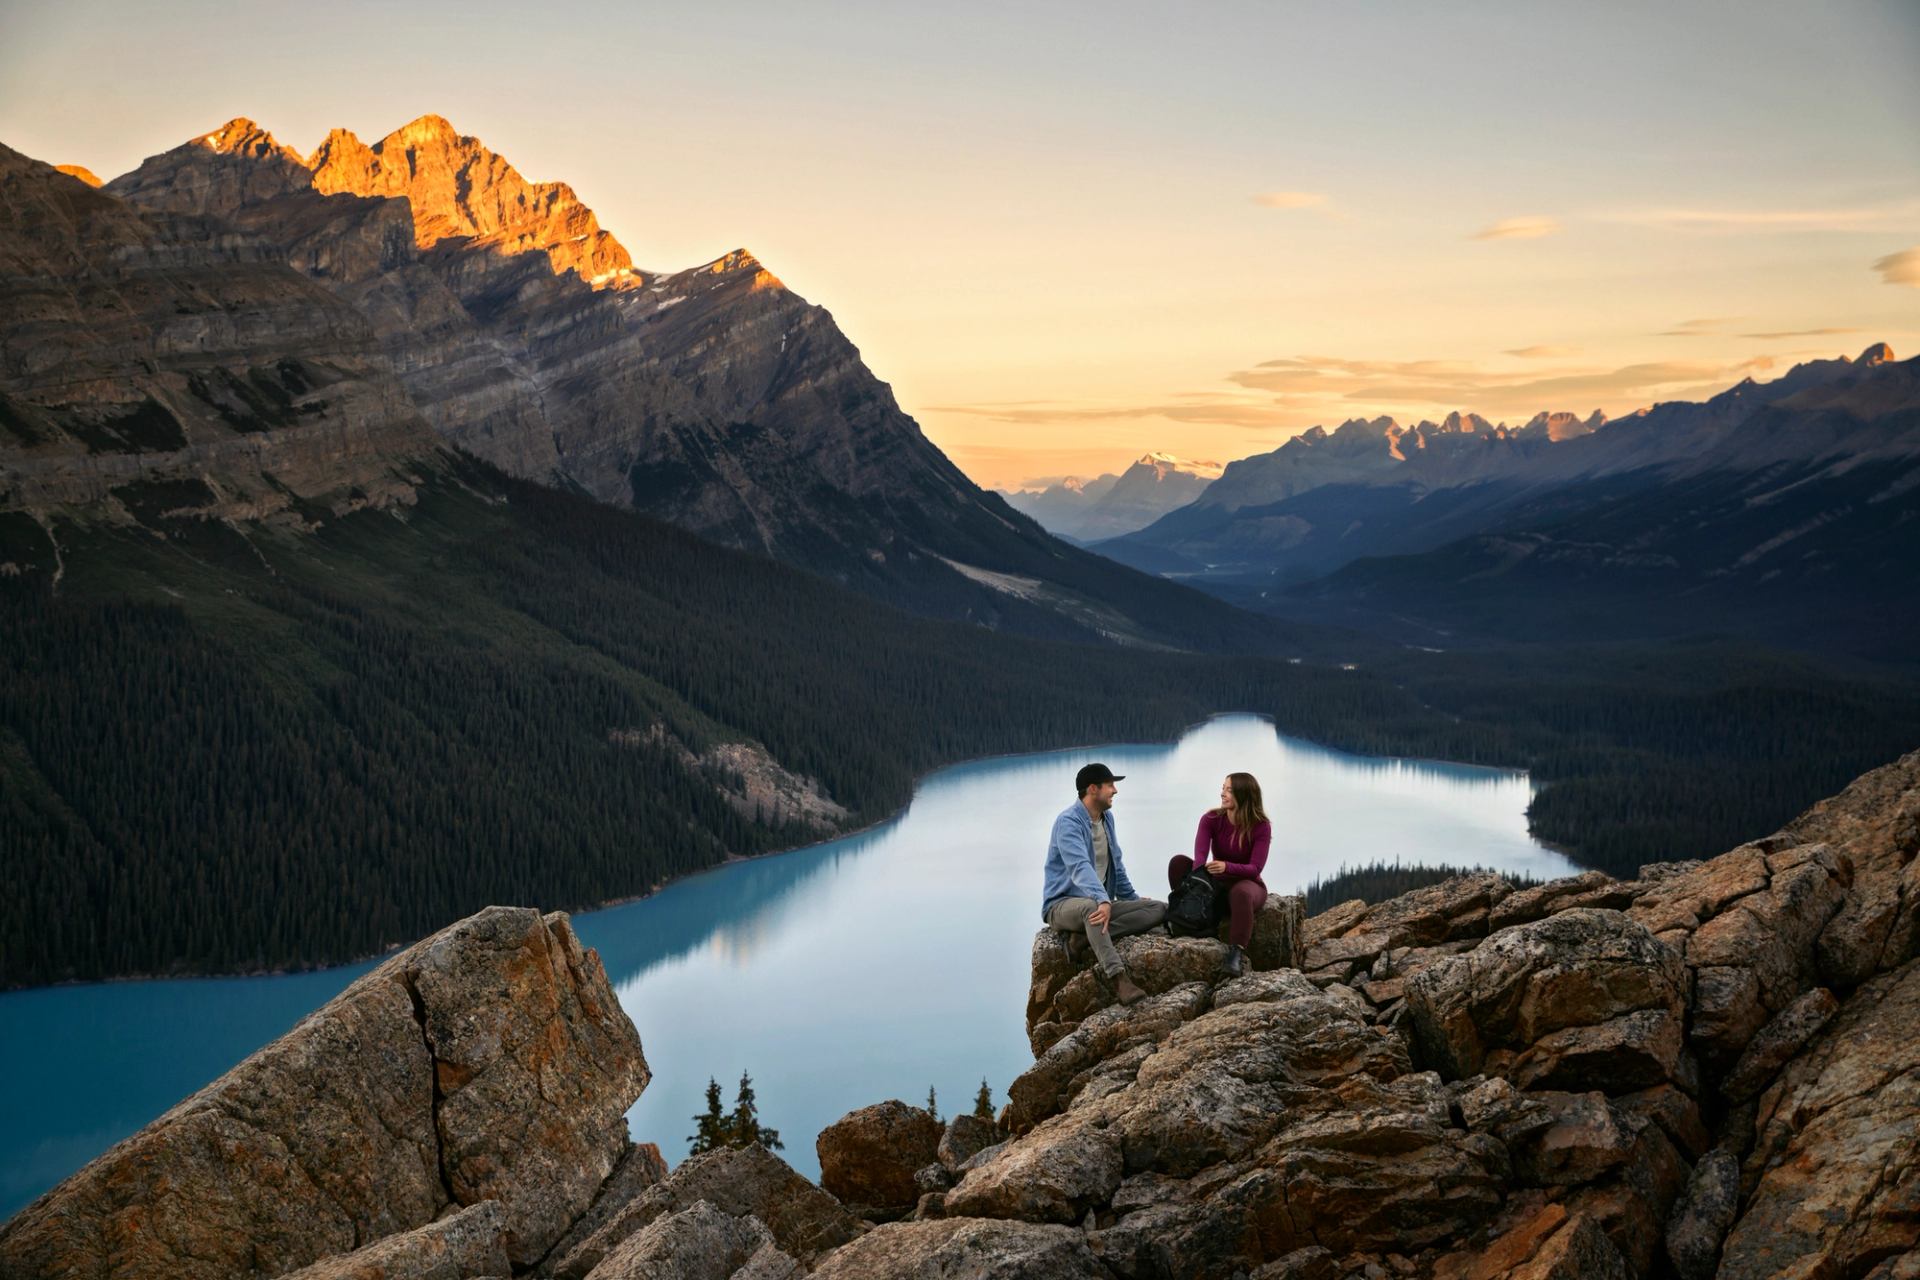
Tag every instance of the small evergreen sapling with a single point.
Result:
(710, 1126)
(743, 1126)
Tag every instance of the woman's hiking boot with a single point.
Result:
(1236, 962)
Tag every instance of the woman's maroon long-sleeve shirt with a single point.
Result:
(1218, 838)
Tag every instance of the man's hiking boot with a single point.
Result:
(1126, 991)
(1076, 945)
(1236, 962)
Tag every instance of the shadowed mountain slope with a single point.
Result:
(715, 397)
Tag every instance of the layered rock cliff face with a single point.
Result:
(161, 356)
(519, 330)
(1709, 1071)
(713, 397)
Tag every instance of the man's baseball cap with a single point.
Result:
(1090, 774)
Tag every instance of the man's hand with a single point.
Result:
(1099, 916)
(1216, 867)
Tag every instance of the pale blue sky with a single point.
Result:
(1054, 204)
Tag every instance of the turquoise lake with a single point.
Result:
(841, 974)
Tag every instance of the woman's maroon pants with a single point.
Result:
(1244, 898)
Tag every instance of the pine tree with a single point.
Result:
(983, 1102)
(743, 1126)
(712, 1129)
(933, 1105)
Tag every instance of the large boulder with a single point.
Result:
(1586, 999)
(1704, 1212)
(468, 1245)
(641, 1167)
(745, 1182)
(868, 1158)
(1837, 1141)
(952, 1248)
(966, 1136)
(1066, 992)
(1349, 938)
(1055, 1174)
(1588, 889)
(1748, 925)
(1102, 1051)
(1279, 931)
(491, 1061)
(1875, 826)
(1066, 989)
(535, 1065)
(700, 1242)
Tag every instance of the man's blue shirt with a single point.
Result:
(1070, 872)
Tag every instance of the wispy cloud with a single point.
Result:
(1336, 386)
(1242, 411)
(1281, 396)
(1900, 268)
(1291, 199)
(1861, 217)
(1527, 228)
(1799, 333)
(1697, 328)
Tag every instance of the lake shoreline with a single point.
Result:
(733, 859)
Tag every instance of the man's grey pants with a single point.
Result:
(1069, 915)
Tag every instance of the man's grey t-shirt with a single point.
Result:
(1102, 859)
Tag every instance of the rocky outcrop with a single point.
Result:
(161, 362)
(965, 1247)
(1066, 989)
(1835, 1168)
(467, 1245)
(1875, 826)
(868, 1158)
(490, 1062)
(458, 189)
(1670, 1075)
(1746, 924)
(1586, 999)
(748, 1183)
(1569, 1096)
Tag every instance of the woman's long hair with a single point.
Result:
(1248, 810)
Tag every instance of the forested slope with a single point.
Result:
(231, 747)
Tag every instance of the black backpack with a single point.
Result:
(1190, 909)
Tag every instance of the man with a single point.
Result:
(1087, 890)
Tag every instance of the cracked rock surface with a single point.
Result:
(494, 1051)
(1711, 1070)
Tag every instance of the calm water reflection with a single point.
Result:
(866, 968)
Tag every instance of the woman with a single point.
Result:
(1232, 844)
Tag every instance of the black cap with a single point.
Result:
(1090, 774)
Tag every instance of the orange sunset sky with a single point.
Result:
(1069, 234)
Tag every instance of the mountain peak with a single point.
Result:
(1878, 353)
(459, 188)
(81, 172)
(427, 128)
(742, 262)
(1165, 464)
(241, 136)
(738, 260)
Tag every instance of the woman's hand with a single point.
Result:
(1215, 867)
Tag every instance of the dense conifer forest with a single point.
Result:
(1378, 881)
(232, 751)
